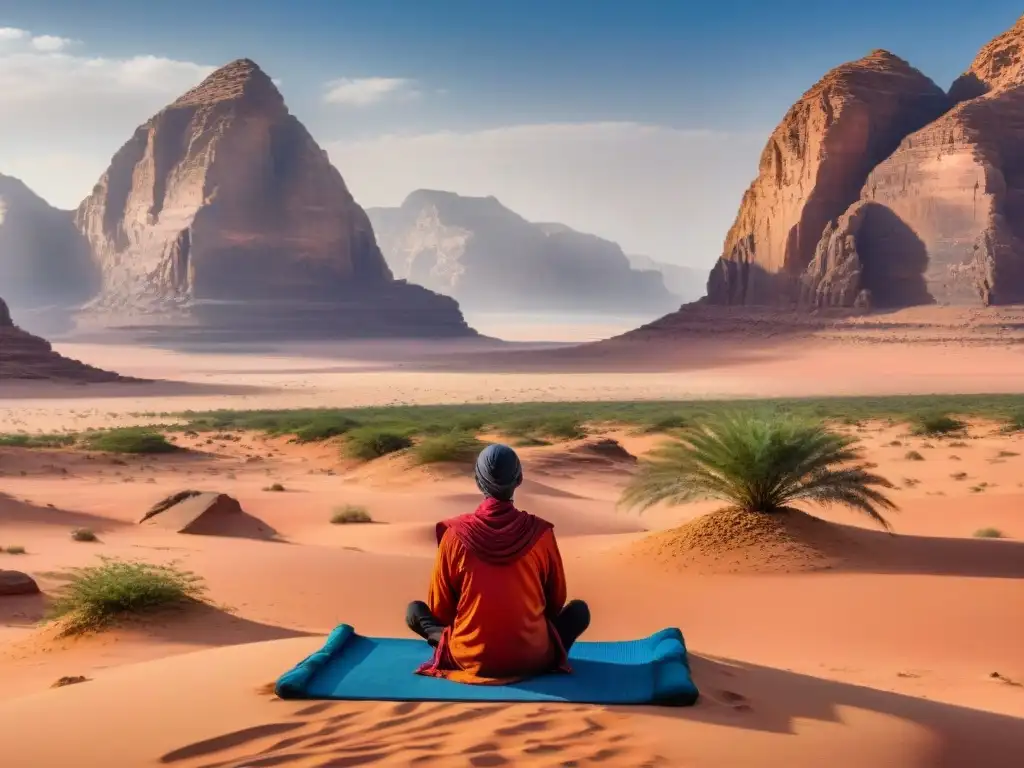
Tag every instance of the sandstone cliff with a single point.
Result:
(223, 207)
(24, 356)
(813, 168)
(490, 258)
(946, 209)
(44, 260)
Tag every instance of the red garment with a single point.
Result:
(496, 532)
(498, 582)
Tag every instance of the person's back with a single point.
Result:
(496, 606)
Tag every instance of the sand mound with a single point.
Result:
(206, 514)
(602, 455)
(732, 541)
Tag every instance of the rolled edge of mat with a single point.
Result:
(293, 683)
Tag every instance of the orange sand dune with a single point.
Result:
(885, 659)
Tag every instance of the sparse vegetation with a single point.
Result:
(100, 595)
(959, 475)
(25, 440)
(913, 456)
(1006, 454)
(14, 550)
(139, 440)
(935, 424)
(83, 534)
(275, 488)
(763, 464)
(460, 447)
(988, 533)
(368, 443)
(350, 513)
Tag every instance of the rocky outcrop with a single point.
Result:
(17, 583)
(813, 168)
(44, 260)
(956, 189)
(24, 356)
(685, 283)
(222, 207)
(490, 258)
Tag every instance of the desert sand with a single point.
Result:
(887, 659)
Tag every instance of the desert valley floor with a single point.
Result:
(905, 651)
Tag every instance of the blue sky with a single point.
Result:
(707, 81)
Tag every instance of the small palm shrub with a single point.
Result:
(764, 464)
(98, 596)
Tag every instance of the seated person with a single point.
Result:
(496, 610)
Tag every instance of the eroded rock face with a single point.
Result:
(491, 259)
(24, 356)
(224, 197)
(44, 260)
(813, 168)
(957, 185)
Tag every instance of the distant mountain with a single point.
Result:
(488, 257)
(688, 283)
(43, 259)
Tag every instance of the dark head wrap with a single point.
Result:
(498, 472)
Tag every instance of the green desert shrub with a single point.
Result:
(24, 440)
(14, 549)
(98, 596)
(275, 487)
(130, 440)
(350, 513)
(368, 443)
(83, 534)
(324, 428)
(935, 424)
(554, 426)
(913, 456)
(763, 464)
(988, 533)
(461, 447)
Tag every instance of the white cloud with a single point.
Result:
(363, 91)
(51, 43)
(668, 193)
(66, 114)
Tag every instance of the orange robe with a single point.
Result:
(498, 617)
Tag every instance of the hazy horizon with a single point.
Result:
(640, 125)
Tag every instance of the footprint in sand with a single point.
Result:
(341, 734)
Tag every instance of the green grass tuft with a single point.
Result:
(350, 514)
(101, 595)
(24, 440)
(553, 426)
(368, 443)
(83, 534)
(325, 428)
(139, 440)
(456, 447)
(988, 533)
(935, 424)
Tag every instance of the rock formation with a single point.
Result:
(949, 202)
(17, 583)
(223, 208)
(24, 356)
(686, 283)
(44, 260)
(878, 190)
(813, 168)
(490, 258)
